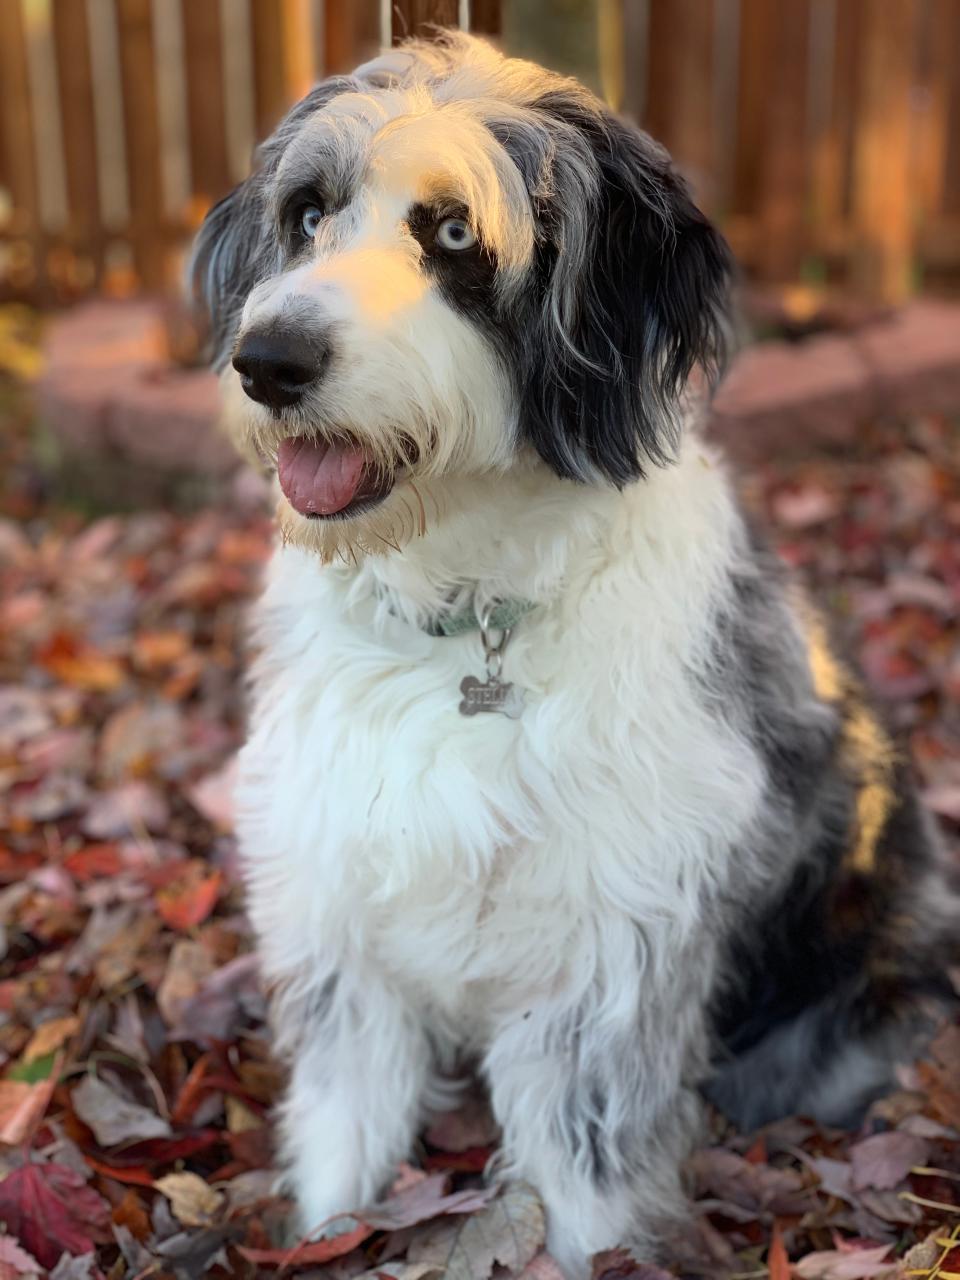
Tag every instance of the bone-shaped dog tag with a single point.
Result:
(490, 695)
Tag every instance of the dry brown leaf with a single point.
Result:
(190, 962)
(49, 1036)
(112, 1117)
(509, 1232)
(193, 1201)
(240, 1117)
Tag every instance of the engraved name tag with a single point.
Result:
(480, 696)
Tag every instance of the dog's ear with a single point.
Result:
(637, 285)
(228, 259)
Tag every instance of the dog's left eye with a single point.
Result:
(310, 220)
(455, 234)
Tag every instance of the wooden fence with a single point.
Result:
(824, 134)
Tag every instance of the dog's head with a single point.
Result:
(450, 263)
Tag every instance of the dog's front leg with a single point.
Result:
(359, 1062)
(598, 1117)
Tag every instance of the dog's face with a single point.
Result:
(448, 264)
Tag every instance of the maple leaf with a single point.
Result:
(510, 1231)
(50, 1210)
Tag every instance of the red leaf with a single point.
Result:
(50, 1210)
(165, 1150)
(310, 1253)
(778, 1264)
(94, 860)
(189, 899)
(136, 1176)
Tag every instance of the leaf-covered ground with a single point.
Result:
(135, 1074)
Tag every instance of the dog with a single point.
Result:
(552, 771)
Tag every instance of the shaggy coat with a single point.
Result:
(461, 306)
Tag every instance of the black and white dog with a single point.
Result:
(637, 836)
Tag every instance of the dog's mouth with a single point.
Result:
(323, 478)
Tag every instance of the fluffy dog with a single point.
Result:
(655, 845)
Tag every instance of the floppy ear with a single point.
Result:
(230, 256)
(629, 313)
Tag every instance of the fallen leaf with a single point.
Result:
(309, 1253)
(884, 1159)
(127, 810)
(218, 1007)
(50, 1211)
(754, 1188)
(509, 1231)
(15, 1261)
(83, 1267)
(611, 1264)
(213, 796)
(113, 1118)
(423, 1200)
(542, 1267)
(49, 1036)
(193, 1201)
(137, 735)
(189, 964)
(23, 1106)
(846, 1264)
(778, 1264)
(82, 666)
(190, 898)
(154, 650)
(94, 860)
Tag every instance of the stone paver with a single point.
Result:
(109, 385)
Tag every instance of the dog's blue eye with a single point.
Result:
(455, 234)
(310, 220)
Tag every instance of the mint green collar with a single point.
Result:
(503, 616)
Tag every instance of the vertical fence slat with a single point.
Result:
(203, 45)
(679, 108)
(75, 72)
(412, 17)
(272, 100)
(141, 118)
(486, 17)
(832, 145)
(785, 170)
(26, 266)
(883, 248)
(939, 42)
(950, 196)
(756, 25)
(351, 34)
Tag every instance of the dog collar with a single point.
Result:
(502, 616)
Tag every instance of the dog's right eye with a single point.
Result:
(310, 220)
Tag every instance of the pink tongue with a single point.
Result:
(318, 478)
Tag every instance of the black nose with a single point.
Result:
(276, 366)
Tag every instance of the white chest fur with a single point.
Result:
(472, 859)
